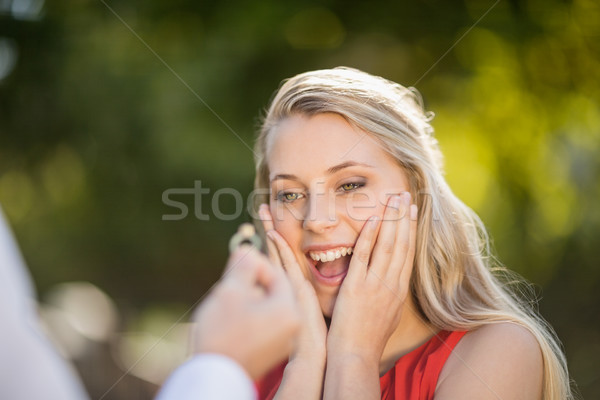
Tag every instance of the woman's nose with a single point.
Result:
(321, 214)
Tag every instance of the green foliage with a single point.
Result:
(95, 124)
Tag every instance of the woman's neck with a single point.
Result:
(412, 332)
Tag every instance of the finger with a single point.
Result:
(247, 266)
(381, 258)
(276, 245)
(281, 287)
(236, 258)
(266, 217)
(362, 250)
(410, 257)
(266, 272)
(402, 243)
(273, 252)
(288, 259)
(267, 221)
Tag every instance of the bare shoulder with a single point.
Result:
(500, 360)
(504, 338)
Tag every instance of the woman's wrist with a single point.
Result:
(313, 358)
(306, 366)
(302, 378)
(312, 352)
(367, 358)
(351, 376)
(368, 353)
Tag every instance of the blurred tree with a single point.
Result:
(103, 109)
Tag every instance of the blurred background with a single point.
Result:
(104, 105)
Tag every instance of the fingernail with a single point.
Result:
(396, 201)
(373, 221)
(271, 235)
(264, 215)
(406, 197)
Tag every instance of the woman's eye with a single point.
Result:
(347, 187)
(289, 196)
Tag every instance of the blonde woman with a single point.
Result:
(391, 269)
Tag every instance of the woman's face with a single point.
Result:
(327, 178)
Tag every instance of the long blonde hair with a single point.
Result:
(456, 283)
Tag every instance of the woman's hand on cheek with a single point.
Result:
(369, 305)
(313, 332)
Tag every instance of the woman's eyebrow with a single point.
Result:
(330, 171)
(346, 164)
(288, 177)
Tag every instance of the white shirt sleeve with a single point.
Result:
(208, 377)
(30, 368)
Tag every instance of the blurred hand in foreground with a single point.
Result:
(251, 316)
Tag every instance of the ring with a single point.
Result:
(246, 234)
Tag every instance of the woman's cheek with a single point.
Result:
(286, 225)
(288, 213)
(359, 216)
(359, 206)
(361, 211)
(279, 214)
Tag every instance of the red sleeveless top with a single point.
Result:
(413, 377)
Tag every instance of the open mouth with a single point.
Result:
(330, 266)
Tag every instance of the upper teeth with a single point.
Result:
(330, 255)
